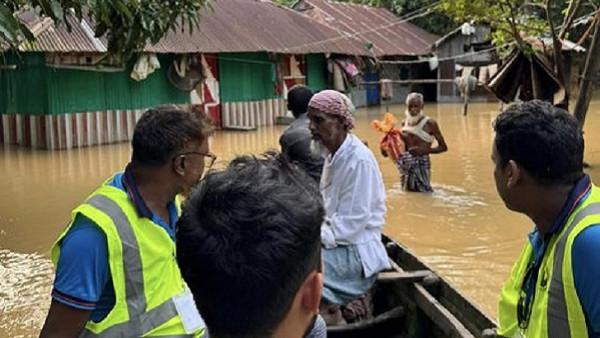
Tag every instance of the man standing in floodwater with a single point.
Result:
(553, 289)
(418, 133)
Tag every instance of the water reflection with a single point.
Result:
(25, 283)
(462, 229)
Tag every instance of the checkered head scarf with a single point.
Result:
(334, 103)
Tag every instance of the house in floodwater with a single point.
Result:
(62, 91)
(467, 50)
(397, 44)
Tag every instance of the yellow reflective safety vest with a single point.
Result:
(556, 309)
(143, 266)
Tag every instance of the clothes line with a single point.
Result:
(409, 81)
(453, 57)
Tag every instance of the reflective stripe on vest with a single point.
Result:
(140, 321)
(557, 305)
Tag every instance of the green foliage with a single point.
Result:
(287, 3)
(511, 20)
(436, 22)
(127, 24)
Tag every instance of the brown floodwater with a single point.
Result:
(462, 229)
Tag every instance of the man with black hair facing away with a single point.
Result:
(248, 244)
(295, 140)
(553, 289)
(116, 273)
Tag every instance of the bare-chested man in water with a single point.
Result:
(418, 133)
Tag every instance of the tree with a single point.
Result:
(127, 24)
(512, 20)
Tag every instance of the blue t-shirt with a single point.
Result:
(586, 270)
(83, 278)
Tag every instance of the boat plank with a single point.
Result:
(403, 276)
(438, 314)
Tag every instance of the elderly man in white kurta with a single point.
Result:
(354, 198)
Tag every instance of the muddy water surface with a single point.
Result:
(462, 229)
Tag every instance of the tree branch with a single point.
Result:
(589, 30)
(511, 19)
(559, 66)
(569, 18)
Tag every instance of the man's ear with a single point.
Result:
(514, 174)
(311, 291)
(179, 165)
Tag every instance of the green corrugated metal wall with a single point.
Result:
(24, 89)
(246, 77)
(38, 90)
(316, 72)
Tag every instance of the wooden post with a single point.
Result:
(592, 66)
(466, 100)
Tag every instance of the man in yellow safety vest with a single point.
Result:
(553, 289)
(116, 271)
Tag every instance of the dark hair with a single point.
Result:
(545, 140)
(248, 237)
(298, 98)
(162, 132)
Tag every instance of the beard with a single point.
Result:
(412, 120)
(317, 149)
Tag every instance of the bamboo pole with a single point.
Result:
(411, 81)
(592, 65)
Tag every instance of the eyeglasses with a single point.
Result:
(211, 157)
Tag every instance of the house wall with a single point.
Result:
(415, 71)
(248, 85)
(458, 44)
(316, 72)
(52, 108)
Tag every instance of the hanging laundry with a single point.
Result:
(467, 29)
(338, 78)
(211, 84)
(387, 89)
(484, 74)
(295, 70)
(433, 62)
(145, 65)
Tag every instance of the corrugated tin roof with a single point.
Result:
(58, 39)
(225, 26)
(543, 43)
(255, 25)
(388, 34)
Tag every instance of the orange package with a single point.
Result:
(391, 143)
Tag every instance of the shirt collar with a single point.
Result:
(342, 149)
(134, 194)
(579, 192)
(301, 119)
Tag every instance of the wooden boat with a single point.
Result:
(412, 301)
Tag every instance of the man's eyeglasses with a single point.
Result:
(210, 158)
